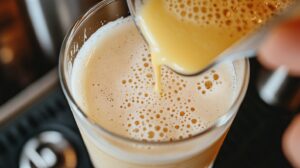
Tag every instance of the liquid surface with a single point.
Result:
(187, 35)
(113, 80)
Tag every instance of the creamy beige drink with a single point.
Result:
(113, 82)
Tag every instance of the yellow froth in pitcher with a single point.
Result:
(187, 35)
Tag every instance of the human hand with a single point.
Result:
(282, 48)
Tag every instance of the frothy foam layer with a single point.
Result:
(243, 15)
(113, 81)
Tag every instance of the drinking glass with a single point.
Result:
(111, 150)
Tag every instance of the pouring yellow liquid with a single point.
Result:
(187, 35)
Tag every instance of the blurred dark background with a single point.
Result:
(31, 32)
(32, 104)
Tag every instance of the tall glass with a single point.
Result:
(110, 150)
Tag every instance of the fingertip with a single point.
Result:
(282, 47)
(291, 142)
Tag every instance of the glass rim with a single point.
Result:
(220, 121)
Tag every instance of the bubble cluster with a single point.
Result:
(209, 81)
(242, 15)
(168, 116)
(119, 89)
